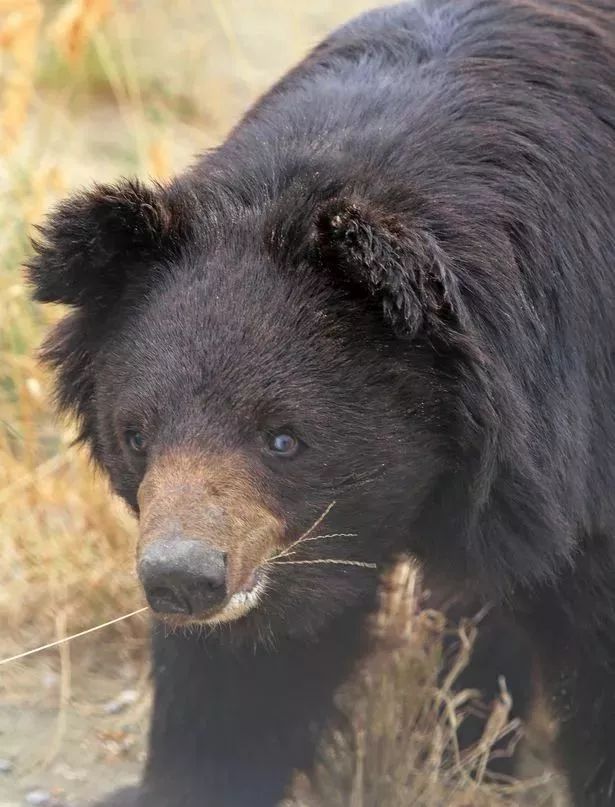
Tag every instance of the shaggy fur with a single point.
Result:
(404, 252)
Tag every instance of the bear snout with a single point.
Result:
(205, 533)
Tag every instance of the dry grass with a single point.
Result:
(93, 89)
(398, 741)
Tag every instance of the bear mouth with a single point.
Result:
(240, 603)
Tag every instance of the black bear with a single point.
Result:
(379, 318)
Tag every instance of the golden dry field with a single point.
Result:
(91, 90)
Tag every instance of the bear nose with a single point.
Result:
(182, 576)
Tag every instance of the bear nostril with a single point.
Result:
(165, 600)
(214, 583)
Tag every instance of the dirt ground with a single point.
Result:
(70, 734)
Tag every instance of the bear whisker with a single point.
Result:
(361, 563)
(310, 530)
(317, 523)
(291, 551)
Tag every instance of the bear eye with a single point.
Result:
(283, 444)
(136, 441)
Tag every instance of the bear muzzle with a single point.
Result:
(205, 534)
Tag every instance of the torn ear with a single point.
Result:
(399, 264)
(94, 241)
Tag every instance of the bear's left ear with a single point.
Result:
(95, 241)
(399, 264)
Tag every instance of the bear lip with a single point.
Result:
(240, 603)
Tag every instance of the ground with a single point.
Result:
(73, 732)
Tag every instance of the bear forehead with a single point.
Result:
(221, 314)
(240, 330)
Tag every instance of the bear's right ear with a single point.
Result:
(95, 240)
(397, 262)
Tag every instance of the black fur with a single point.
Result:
(405, 251)
(96, 239)
(403, 267)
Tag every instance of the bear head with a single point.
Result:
(273, 389)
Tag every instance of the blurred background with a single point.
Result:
(91, 90)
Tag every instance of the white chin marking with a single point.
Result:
(239, 605)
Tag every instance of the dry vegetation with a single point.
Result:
(91, 89)
(398, 742)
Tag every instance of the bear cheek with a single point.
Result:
(188, 498)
